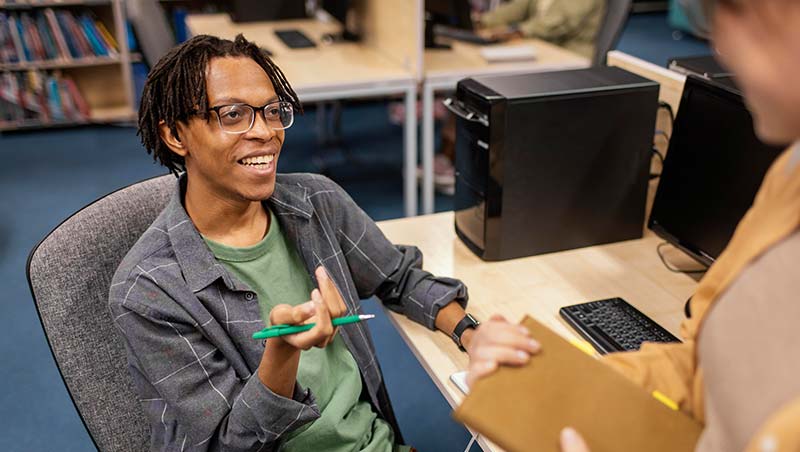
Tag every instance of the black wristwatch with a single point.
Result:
(467, 322)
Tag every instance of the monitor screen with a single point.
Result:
(266, 10)
(713, 169)
(453, 13)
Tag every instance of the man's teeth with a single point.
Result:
(260, 160)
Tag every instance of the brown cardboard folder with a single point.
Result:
(524, 409)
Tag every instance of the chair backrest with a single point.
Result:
(617, 12)
(69, 274)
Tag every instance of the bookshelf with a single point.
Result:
(64, 63)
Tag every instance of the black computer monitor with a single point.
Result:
(713, 169)
(450, 13)
(453, 13)
(339, 10)
(265, 10)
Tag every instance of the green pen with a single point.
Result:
(283, 330)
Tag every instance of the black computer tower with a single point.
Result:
(552, 161)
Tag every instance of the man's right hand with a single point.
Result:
(314, 311)
(326, 304)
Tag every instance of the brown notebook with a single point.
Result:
(525, 408)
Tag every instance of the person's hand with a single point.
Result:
(326, 304)
(571, 441)
(502, 33)
(497, 342)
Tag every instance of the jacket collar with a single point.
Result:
(197, 262)
(290, 199)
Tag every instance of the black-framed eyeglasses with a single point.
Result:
(239, 118)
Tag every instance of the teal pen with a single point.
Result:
(283, 330)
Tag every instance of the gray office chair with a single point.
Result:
(69, 274)
(608, 35)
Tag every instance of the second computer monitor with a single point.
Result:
(713, 169)
(266, 10)
(452, 13)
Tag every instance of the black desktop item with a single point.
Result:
(453, 13)
(459, 34)
(552, 161)
(266, 10)
(713, 169)
(613, 325)
(705, 66)
(294, 39)
(449, 18)
(338, 9)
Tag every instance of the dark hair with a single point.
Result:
(175, 89)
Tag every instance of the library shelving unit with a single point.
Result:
(104, 82)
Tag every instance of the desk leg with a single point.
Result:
(427, 149)
(410, 152)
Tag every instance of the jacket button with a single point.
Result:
(249, 296)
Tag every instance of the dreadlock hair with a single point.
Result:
(175, 89)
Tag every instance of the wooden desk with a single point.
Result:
(442, 69)
(330, 72)
(537, 286)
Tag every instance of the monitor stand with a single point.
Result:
(430, 37)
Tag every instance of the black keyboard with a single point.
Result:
(462, 35)
(294, 39)
(614, 326)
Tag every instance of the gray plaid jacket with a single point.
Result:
(187, 321)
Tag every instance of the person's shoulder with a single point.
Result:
(150, 260)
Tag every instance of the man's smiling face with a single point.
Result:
(234, 167)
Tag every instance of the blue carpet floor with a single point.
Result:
(46, 176)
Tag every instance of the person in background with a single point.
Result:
(572, 24)
(737, 370)
(239, 246)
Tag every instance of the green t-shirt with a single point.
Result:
(274, 270)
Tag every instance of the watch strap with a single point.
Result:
(467, 322)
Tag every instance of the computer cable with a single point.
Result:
(668, 107)
(670, 267)
(661, 158)
(658, 153)
(661, 133)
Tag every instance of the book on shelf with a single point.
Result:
(15, 28)
(63, 50)
(49, 35)
(40, 97)
(8, 49)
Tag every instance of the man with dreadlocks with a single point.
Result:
(239, 246)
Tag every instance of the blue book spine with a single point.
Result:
(88, 29)
(179, 22)
(133, 46)
(54, 99)
(21, 33)
(47, 39)
(65, 30)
